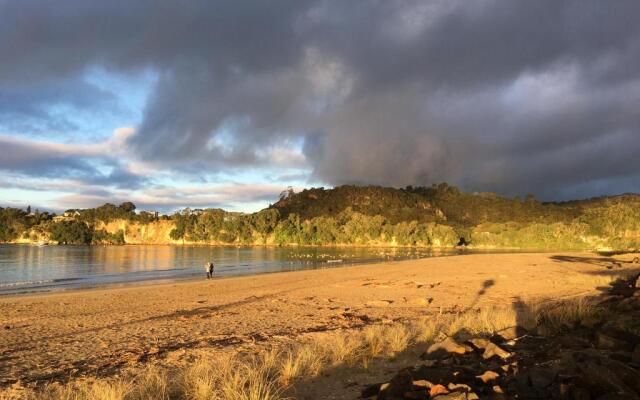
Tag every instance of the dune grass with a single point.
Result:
(267, 375)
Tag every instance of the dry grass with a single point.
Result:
(566, 315)
(264, 377)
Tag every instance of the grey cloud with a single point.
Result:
(512, 96)
(58, 161)
(34, 106)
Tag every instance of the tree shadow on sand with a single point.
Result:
(607, 262)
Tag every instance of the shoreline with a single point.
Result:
(195, 276)
(345, 245)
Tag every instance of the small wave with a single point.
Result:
(25, 283)
(35, 283)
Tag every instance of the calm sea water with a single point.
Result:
(27, 268)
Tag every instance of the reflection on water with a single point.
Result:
(25, 268)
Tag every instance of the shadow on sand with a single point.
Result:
(574, 349)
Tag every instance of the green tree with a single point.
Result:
(71, 232)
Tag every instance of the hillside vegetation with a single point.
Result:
(436, 216)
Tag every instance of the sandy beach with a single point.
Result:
(101, 331)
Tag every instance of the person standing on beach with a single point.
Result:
(208, 267)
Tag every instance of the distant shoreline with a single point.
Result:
(364, 246)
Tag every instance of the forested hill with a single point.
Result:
(439, 203)
(436, 216)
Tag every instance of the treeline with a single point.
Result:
(438, 216)
(74, 227)
(15, 222)
(269, 227)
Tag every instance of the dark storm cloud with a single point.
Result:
(512, 96)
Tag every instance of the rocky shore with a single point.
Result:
(596, 359)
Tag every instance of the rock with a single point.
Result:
(590, 321)
(399, 384)
(624, 291)
(429, 363)
(480, 344)
(616, 396)
(629, 304)
(615, 339)
(512, 333)
(488, 376)
(601, 379)
(422, 384)
(634, 280)
(416, 395)
(457, 396)
(573, 342)
(541, 378)
(628, 375)
(445, 349)
(439, 375)
(493, 350)
(459, 387)
(371, 390)
(490, 349)
(635, 356)
(437, 390)
(578, 393)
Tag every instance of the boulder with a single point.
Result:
(635, 356)
(579, 393)
(615, 339)
(416, 395)
(371, 390)
(541, 378)
(601, 380)
(493, 350)
(629, 304)
(459, 387)
(488, 376)
(438, 390)
(422, 384)
(457, 396)
(397, 387)
(511, 333)
(445, 349)
(616, 396)
(590, 321)
(490, 349)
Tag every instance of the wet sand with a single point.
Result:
(99, 332)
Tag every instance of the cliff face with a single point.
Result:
(135, 233)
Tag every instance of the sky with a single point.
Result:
(227, 103)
